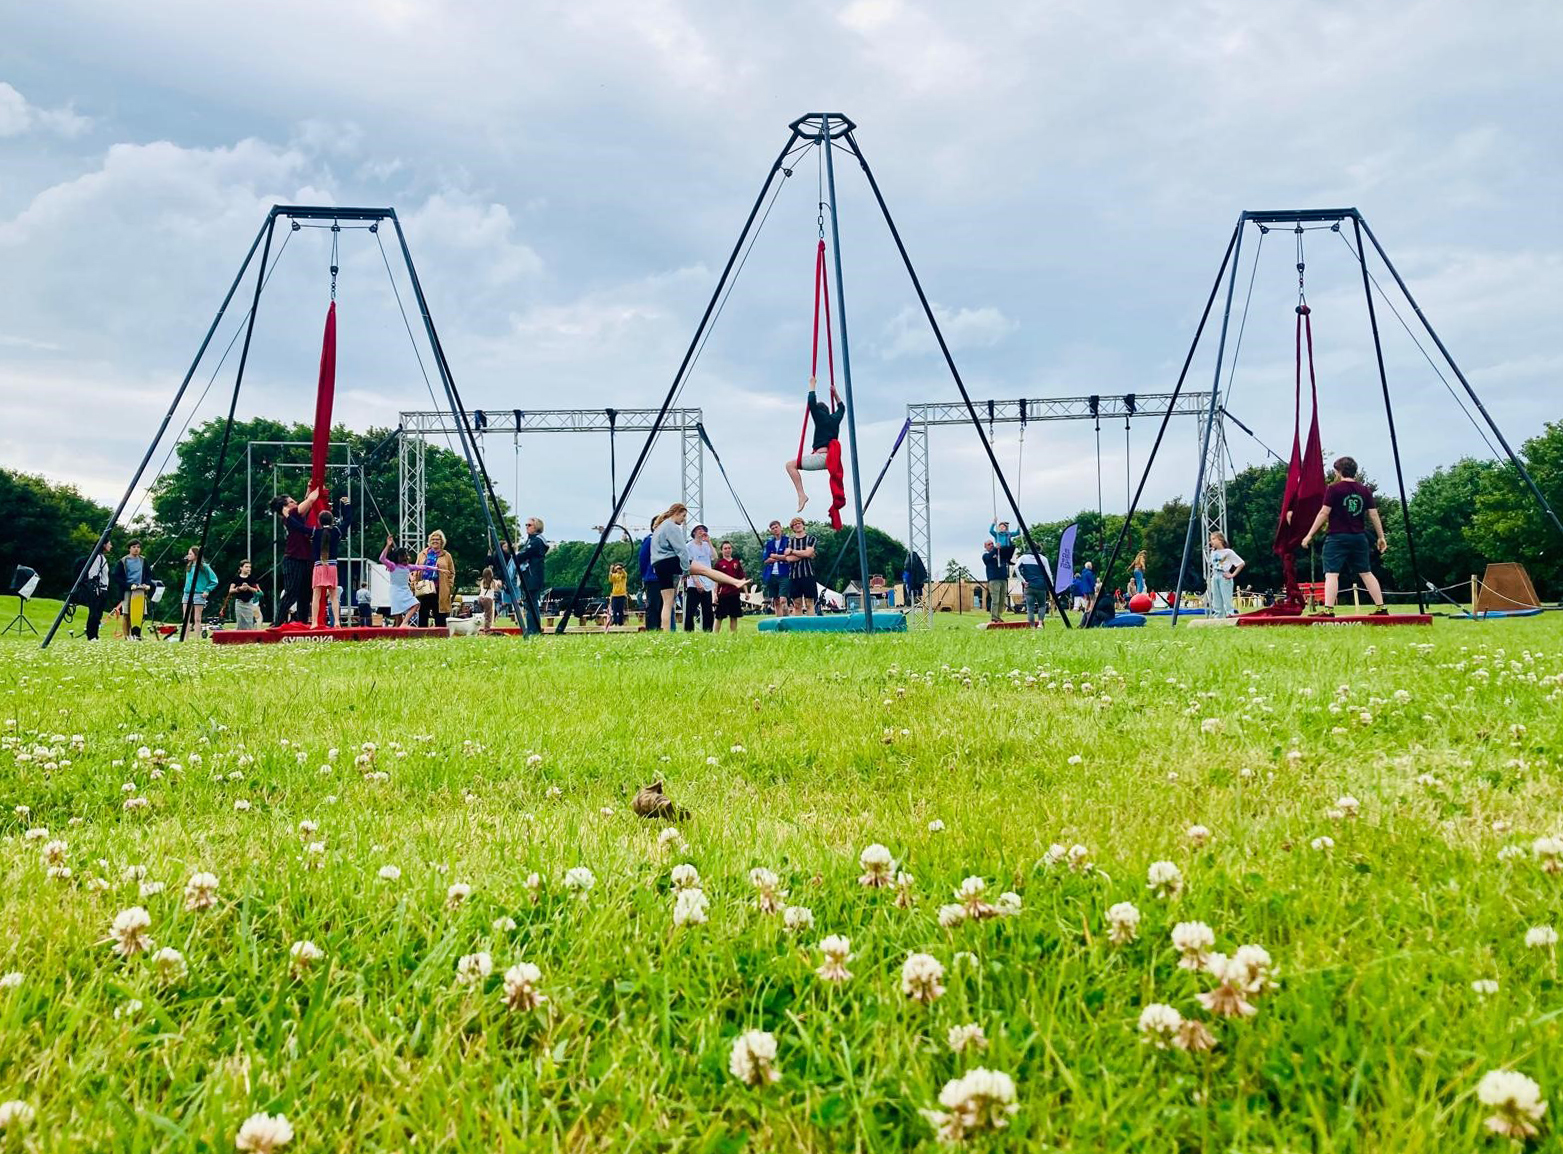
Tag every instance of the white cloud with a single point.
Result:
(17, 116)
(908, 333)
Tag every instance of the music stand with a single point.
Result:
(24, 583)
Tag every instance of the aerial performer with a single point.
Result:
(825, 448)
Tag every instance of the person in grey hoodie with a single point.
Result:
(670, 560)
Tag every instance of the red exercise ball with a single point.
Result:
(1140, 603)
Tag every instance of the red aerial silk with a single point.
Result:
(1304, 495)
(838, 486)
(325, 393)
(821, 293)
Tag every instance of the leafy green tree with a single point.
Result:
(1441, 514)
(1163, 546)
(46, 527)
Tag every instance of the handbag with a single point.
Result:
(424, 588)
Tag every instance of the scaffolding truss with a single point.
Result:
(1022, 411)
(418, 426)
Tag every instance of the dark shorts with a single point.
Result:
(729, 607)
(1346, 553)
(668, 571)
(776, 587)
(802, 589)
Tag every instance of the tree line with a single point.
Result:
(1463, 516)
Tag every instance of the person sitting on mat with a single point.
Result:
(827, 426)
(670, 559)
(1349, 506)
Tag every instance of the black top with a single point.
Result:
(827, 424)
(245, 595)
(529, 558)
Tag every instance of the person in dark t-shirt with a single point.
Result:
(1349, 507)
(827, 426)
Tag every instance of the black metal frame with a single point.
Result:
(823, 130)
(295, 213)
(1334, 217)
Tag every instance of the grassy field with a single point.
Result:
(966, 755)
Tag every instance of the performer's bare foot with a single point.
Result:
(803, 499)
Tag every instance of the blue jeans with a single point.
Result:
(1220, 596)
(1036, 605)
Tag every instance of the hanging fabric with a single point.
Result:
(325, 395)
(833, 466)
(1304, 495)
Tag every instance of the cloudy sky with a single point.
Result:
(572, 176)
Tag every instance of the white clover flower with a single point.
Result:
(472, 969)
(1541, 937)
(456, 893)
(1212, 725)
(973, 896)
(1079, 859)
(1164, 879)
(922, 978)
(668, 837)
(390, 873)
(135, 803)
(11, 980)
(1323, 843)
(37, 833)
(1123, 918)
(578, 880)
(768, 892)
(981, 1101)
(521, 992)
(1549, 853)
(877, 865)
(685, 877)
(304, 954)
(1510, 852)
(306, 828)
(1054, 855)
(1192, 940)
(797, 918)
(1198, 835)
(134, 873)
(55, 852)
(970, 1036)
(936, 826)
(170, 966)
(952, 915)
(1515, 1101)
(905, 883)
(838, 952)
(264, 1134)
(201, 891)
(1348, 805)
(690, 907)
(129, 932)
(1008, 904)
(129, 1010)
(1485, 987)
(1257, 967)
(504, 924)
(1230, 997)
(14, 1115)
(533, 886)
(1159, 1025)
(753, 1059)
(314, 855)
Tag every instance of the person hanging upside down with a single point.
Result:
(827, 427)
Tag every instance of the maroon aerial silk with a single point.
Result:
(1304, 495)
(325, 393)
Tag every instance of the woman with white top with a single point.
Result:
(670, 559)
(1225, 565)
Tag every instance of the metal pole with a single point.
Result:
(222, 449)
(678, 377)
(949, 361)
(1389, 415)
(162, 428)
(1514, 459)
(469, 442)
(1166, 419)
(869, 500)
(613, 457)
(1210, 417)
(275, 601)
(846, 373)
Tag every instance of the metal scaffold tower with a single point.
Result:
(1021, 411)
(417, 427)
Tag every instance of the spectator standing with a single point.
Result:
(133, 577)
(697, 588)
(648, 582)
(93, 592)
(435, 572)
(1037, 583)
(729, 604)
(242, 591)
(530, 560)
(802, 586)
(775, 571)
(997, 579)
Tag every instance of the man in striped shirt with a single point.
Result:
(801, 547)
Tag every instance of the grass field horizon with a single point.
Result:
(1369, 808)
